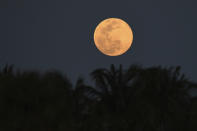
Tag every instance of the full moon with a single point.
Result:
(113, 37)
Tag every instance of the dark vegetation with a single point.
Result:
(135, 99)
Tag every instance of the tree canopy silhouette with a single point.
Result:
(137, 98)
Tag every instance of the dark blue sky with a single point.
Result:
(58, 34)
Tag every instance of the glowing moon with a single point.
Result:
(113, 37)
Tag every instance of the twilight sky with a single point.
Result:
(58, 34)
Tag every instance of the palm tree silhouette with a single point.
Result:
(113, 86)
(153, 96)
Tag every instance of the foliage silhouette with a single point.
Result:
(150, 99)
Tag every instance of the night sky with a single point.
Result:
(58, 34)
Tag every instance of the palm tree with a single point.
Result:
(142, 99)
(113, 86)
(114, 94)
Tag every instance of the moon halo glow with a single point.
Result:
(113, 37)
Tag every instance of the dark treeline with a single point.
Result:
(133, 99)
